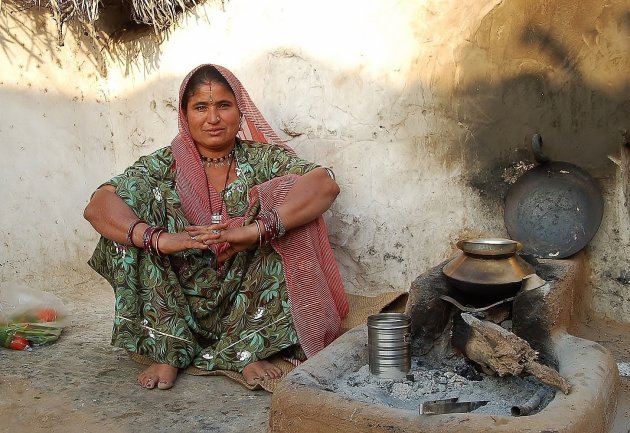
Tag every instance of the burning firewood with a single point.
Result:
(497, 350)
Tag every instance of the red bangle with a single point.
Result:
(130, 231)
(146, 238)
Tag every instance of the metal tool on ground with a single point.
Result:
(449, 405)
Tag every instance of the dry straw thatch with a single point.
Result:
(160, 14)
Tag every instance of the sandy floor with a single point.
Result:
(82, 384)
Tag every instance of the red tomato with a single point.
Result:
(19, 343)
(47, 315)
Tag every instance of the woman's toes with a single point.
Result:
(149, 383)
(252, 374)
(162, 384)
(272, 372)
(161, 375)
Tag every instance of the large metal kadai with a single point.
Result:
(554, 209)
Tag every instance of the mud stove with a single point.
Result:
(311, 399)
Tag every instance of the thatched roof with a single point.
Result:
(160, 14)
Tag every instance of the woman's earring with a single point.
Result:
(240, 124)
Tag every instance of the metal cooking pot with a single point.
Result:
(488, 267)
(554, 209)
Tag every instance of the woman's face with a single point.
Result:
(213, 118)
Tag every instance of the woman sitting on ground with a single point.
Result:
(215, 246)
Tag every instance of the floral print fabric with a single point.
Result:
(178, 309)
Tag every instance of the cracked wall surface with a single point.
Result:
(420, 107)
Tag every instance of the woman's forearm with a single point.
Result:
(311, 195)
(111, 216)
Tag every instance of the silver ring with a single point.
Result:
(194, 238)
(216, 232)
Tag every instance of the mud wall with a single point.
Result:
(55, 136)
(559, 69)
(419, 107)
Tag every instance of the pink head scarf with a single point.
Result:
(192, 186)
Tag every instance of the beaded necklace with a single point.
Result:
(217, 162)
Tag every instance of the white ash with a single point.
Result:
(441, 381)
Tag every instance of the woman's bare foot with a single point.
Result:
(161, 375)
(260, 370)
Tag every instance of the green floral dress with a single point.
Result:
(177, 309)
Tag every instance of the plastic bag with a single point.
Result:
(29, 317)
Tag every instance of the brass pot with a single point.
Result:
(488, 267)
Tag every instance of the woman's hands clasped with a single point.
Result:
(237, 238)
(171, 243)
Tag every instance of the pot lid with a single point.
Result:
(489, 246)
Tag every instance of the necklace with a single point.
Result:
(218, 162)
(216, 217)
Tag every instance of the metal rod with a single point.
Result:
(530, 405)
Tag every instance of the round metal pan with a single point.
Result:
(554, 209)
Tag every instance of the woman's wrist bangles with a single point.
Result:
(259, 233)
(273, 226)
(147, 240)
(130, 231)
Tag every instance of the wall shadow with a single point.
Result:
(32, 30)
(559, 73)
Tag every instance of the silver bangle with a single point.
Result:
(259, 233)
(330, 173)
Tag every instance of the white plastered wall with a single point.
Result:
(380, 91)
(55, 139)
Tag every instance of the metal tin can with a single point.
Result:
(389, 354)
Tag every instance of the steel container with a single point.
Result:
(488, 268)
(389, 353)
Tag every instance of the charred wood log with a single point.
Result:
(499, 351)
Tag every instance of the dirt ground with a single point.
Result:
(82, 384)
